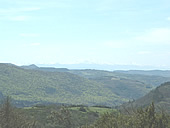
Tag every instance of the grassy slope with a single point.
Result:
(99, 110)
(55, 87)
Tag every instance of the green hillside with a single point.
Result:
(90, 74)
(127, 86)
(160, 96)
(123, 87)
(149, 80)
(130, 86)
(32, 87)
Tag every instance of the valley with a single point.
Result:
(59, 97)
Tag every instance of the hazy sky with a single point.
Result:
(92, 31)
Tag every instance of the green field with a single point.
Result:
(94, 109)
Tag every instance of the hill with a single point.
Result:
(149, 80)
(29, 87)
(160, 96)
(130, 86)
(164, 73)
(48, 69)
(126, 86)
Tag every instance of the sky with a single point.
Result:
(121, 32)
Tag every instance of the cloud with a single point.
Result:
(19, 18)
(168, 18)
(144, 52)
(104, 5)
(30, 9)
(44, 3)
(113, 44)
(30, 44)
(35, 44)
(29, 35)
(17, 14)
(155, 36)
(18, 10)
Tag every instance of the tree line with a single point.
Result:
(12, 117)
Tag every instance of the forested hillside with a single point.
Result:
(29, 85)
(127, 86)
(160, 96)
(36, 87)
(152, 80)
(131, 86)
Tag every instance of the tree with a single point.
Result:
(61, 118)
(142, 118)
(10, 117)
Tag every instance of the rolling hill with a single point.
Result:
(160, 96)
(29, 87)
(126, 86)
(148, 80)
(164, 73)
(131, 86)
(48, 69)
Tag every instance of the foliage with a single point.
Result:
(147, 79)
(29, 87)
(61, 118)
(127, 86)
(11, 118)
(82, 109)
(53, 116)
(160, 96)
(142, 118)
(90, 87)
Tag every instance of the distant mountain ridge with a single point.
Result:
(108, 67)
(49, 69)
(164, 73)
